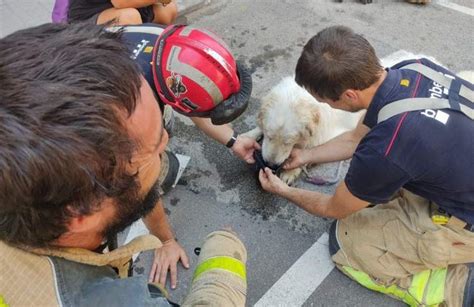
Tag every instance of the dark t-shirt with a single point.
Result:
(428, 152)
(140, 40)
(85, 9)
(80, 10)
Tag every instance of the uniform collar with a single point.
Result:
(380, 98)
(117, 258)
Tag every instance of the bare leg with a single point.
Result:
(127, 16)
(165, 15)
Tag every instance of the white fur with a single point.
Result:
(290, 117)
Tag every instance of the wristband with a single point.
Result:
(232, 140)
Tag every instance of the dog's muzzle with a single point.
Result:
(260, 163)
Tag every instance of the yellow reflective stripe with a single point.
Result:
(392, 290)
(2, 302)
(435, 291)
(427, 286)
(228, 264)
(418, 284)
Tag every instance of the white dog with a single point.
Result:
(290, 117)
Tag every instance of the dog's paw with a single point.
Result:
(255, 133)
(290, 176)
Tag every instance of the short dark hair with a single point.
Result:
(337, 59)
(66, 91)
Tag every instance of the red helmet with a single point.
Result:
(196, 74)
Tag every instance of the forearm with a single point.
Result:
(312, 202)
(120, 4)
(339, 148)
(221, 133)
(157, 223)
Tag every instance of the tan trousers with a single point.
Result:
(392, 241)
(219, 279)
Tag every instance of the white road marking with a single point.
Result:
(302, 278)
(453, 6)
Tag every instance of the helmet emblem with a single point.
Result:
(176, 85)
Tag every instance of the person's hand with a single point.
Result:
(166, 259)
(298, 157)
(271, 183)
(244, 147)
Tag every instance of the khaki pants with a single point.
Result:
(220, 278)
(391, 242)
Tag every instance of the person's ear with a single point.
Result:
(84, 223)
(350, 94)
(79, 223)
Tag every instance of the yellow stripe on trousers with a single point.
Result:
(225, 263)
(427, 287)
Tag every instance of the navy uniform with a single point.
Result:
(416, 166)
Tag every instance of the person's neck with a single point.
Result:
(368, 94)
(80, 240)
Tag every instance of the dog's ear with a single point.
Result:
(267, 102)
(313, 122)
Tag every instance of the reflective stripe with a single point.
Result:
(228, 264)
(418, 104)
(435, 291)
(466, 93)
(2, 302)
(392, 290)
(438, 77)
(427, 287)
(467, 111)
(175, 65)
(418, 284)
(430, 74)
(188, 29)
(410, 104)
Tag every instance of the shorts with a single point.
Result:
(146, 13)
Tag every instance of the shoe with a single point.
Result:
(169, 171)
(468, 300)
(334, 246)
(418, 1)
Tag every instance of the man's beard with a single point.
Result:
(130, 208)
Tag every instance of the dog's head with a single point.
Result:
(288, 118)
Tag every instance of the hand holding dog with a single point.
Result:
(271, 183)
(298, 157)
(244, 147)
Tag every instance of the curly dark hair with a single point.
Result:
(65, 92)
(337, 59)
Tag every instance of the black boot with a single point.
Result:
(333, 244)
(169, 171)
